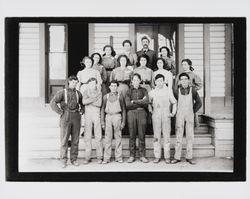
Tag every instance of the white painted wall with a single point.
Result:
(29, 60)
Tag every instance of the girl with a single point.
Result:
(122, 74)
(160, 62)
(98, 66)
(87, 73)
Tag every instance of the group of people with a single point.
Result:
(112, 92)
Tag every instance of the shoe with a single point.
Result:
(75, 163)
(174, 161)
(156, 160)
(190, 161)
(144, 160)
(86, 161)
(119, 160)
(99, 161)
(105, 161)
(131, 159)
(167, 161)
(63, 164)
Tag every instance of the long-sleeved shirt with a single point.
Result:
(196, 98)
(121, 75)
(146, 74)
(113, 97)
(92, 98)
(72, 103)
(152, 57)
(136, 98)
(87, 73)
(101, 70)
(170, 65)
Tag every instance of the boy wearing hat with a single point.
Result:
(161, 99)
(189, 103)
(70, 109)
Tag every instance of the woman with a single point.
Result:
(87, 73)
(122, 74)
(170, 63)
(108, 61)
(132, 57)
(160, 62)
(98, 66)
(145, 72)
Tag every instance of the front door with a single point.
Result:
(56, 59)
(163, 34)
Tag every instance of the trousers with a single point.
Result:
(70, 124)
(137, 122)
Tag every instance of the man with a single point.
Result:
(136, 103)
(189, 103)
(114, 112)
(161, 98)
(150, 53)
(70, 111)
(92, 99)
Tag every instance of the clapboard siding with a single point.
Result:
(102, 33)
(29, 60)
(217, 59)
(193, 47)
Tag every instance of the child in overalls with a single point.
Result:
(114, 112)
(92, 99)
(70, 111)
(189, 103)
(161, 98)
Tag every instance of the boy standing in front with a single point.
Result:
(92, 99)
(161, 99)
(137, 103)
(189, 103)
(70, 111)
(113, 116)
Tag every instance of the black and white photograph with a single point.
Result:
(153, 103)
(109, 95)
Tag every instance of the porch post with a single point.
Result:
(180, 46)
(206, 69)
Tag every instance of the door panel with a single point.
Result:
(56, 55)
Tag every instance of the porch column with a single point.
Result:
(206, 69)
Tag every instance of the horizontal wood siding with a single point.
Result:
(217, 59)
(193, 47)
(101, 36)
(29, 60)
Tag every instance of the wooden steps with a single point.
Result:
(39, 137)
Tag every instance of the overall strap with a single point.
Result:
(65, 96)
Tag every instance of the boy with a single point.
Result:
(161, 98)
(114, 112)
(70, 111)
(92, 99)
(189, 103)
(136, 103)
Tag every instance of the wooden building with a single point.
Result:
(49, 52)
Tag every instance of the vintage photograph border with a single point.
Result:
(12, 106)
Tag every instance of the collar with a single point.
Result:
(145, 50)
(113, 94)
(142, 67)
(133, 88)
